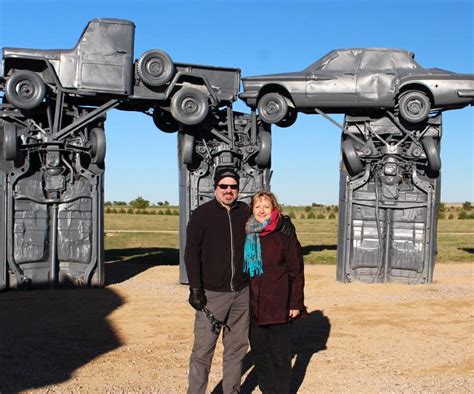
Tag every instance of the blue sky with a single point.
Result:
(261, 37)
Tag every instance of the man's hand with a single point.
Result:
(197, 299)
(287, 227)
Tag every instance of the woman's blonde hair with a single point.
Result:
(269, 196)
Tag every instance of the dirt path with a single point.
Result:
(135, 336)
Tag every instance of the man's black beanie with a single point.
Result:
(224, 173)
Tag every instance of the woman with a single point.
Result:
(275, 265)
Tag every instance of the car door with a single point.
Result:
(376, 79)
(333, 84)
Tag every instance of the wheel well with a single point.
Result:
(417, 87)
(274, 88)
(39, 66)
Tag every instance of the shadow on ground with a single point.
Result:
(45, 335)
(309, 336)
(316, 248)
(468, 250)
(123, 264)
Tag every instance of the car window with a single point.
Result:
(344, 61)
(374, 60)
(403, 60)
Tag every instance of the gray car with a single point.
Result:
(359, 81)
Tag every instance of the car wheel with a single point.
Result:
(155, 67)
(10, 142)
(165, 121)
(432, 153)
(272, 108)
(98, 146)
(414, 106)
(350, 158)
(264, 155)
(25, 89)
(289, 119)
(189, 106)
(186, 148)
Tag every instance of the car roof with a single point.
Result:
(410, 53)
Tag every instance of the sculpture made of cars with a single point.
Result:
(101, 67)
(359, 82)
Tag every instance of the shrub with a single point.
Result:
(153, 212)
(302, 216)
(332, 215)
(168, 211)
(292, 215)
(113, 210)
(108, 210)
(311, 215)
(122, 210)
(336, 209)
(160, 212)
(321, 216)
(441, 215)
(130, 211)
(467, 206)
(451, 216)
(462, 214)
(175, 212)
(307, 208)
(328, 208)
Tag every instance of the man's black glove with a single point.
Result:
(197, 299)
(287, 227)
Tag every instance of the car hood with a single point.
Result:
(273, 77)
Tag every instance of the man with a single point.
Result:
(214, 257)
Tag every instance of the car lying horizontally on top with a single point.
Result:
(101, 67)
(359, 81)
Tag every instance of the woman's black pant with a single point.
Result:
(270, 346)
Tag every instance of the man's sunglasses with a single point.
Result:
(223, 186)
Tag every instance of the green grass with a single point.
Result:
(318, 239)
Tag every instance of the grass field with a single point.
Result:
(153, 239)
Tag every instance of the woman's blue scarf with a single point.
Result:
(253, 264)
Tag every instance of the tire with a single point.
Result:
(189, 106)
(414, 106)
(186, 148)
(98, 146)
(264, 156)
(272, 108)
(432, 154)
(25, 89)
(165, 121)
(10, 142)
(155, 67)
(350, 158)
(289, 119)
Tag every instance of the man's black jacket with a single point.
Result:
(215, 247)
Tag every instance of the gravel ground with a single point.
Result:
(136, 335)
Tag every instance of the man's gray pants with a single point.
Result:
(233, 309)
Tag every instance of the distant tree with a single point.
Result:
(119, 203)
(139, 203)
(160, 203)
(467, 206)
(107, 204)
(166, 203)
(336, 209)
(442, 207)
(307, 208)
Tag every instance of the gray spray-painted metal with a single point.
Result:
(388, 212)
(52, 230)
(101, 68)
(232, 139)
(358, 81)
